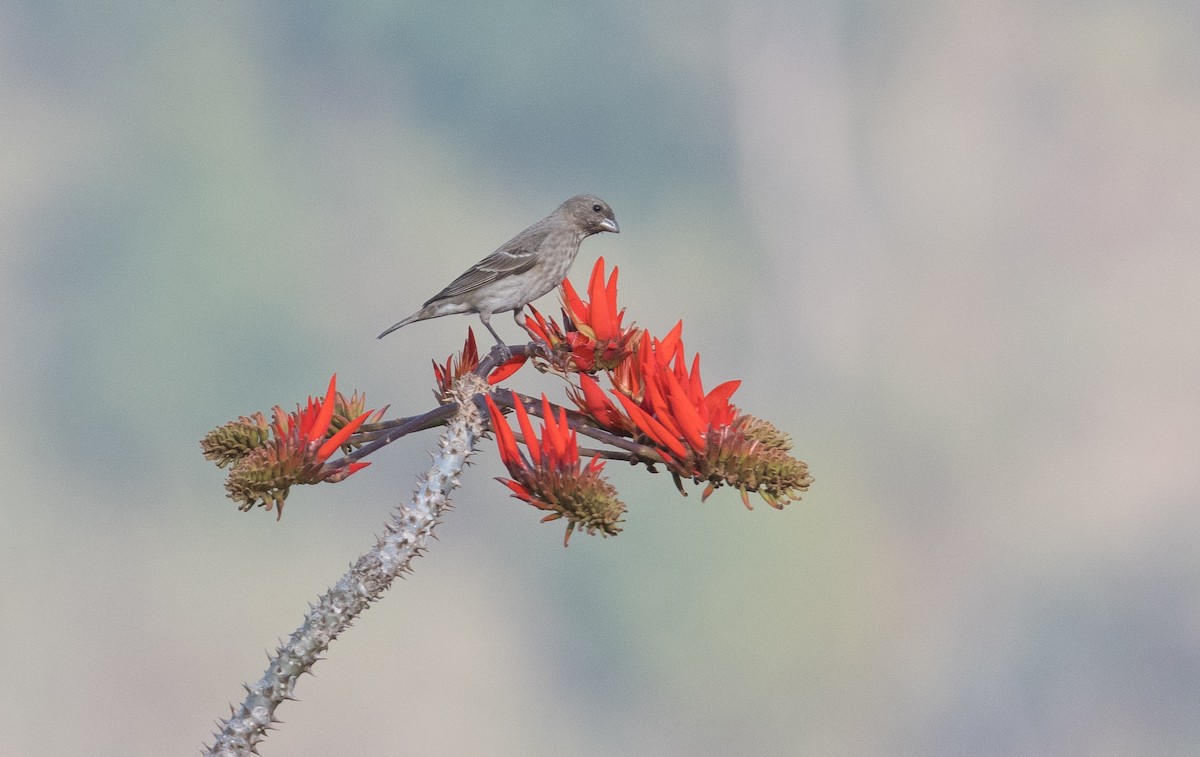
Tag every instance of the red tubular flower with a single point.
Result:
(544, 330)
(653, 428)
(552, 477)
(308, 428)
(662, 400)
(599, 319)
(666, 401)
(299, 446)
(592, 402)
(627, 375)
(467, 361)
(592, 337)
(702, 435)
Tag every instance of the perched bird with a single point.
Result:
(524, 268)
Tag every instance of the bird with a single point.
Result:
(522, 269)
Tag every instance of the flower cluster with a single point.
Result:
(455, 368)
(553, 478)
(592, 337)
(268, 459)
(660, 399)
(655, 411)
(699, 435)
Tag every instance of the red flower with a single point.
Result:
(665, 400)
(544, 330)
(301, 443)
(698, 435)
(599, 320)
(592, 337)
(310, 426)
(467, 361)
(552, 478)
(627, 376)
(702, 435)
(592, 402)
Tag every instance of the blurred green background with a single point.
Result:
(951, 247)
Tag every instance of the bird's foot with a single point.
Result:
(502, 353)
(542, 349)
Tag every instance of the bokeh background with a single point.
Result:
(952, 247)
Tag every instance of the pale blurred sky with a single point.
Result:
(950, 247)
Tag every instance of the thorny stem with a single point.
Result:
(379, 435)
(371, 430)
(404, 538)
(437, 417)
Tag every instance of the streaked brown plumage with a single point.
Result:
(524, 268)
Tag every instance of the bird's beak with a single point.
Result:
(609, 224)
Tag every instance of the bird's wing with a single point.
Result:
(515, 257)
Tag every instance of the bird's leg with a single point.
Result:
(517, 317)
(539, 343)
(505, 353)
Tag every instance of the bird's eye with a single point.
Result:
(595, 208)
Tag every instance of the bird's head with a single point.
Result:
(590, 213)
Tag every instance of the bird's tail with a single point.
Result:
(414, 317)
(433, 309)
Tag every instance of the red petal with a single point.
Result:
(505, 440)
(338, 439)
(651, 427)
(470, 351)
(601, 313)
(537, 324)
(518, 491)
(303, 419)
(694, 378)
(552, 435)
(654, 397)
(575, 307)
(611, 290)
(694, 389)
(583, 360)
(693, 426)
(571, 451)
(671, 341)
(531, 440)
(599, 406)
(505, 370)
(596, 279)
(719, 411)
(325, 415)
